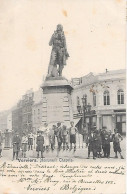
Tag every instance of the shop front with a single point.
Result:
(121, 123)
(114, 119)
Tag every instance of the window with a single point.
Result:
(94, 99)
(120, 96)
(106, 98)
(38, 111)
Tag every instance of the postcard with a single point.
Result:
(63, 96)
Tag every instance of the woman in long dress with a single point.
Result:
(46, 137)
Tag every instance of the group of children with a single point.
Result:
(25, 143)
(47, 138)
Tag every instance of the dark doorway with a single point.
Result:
(119, 127)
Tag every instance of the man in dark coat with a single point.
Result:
(16, 145)
(40, 144)
(59, 135)
(91, 143)
(105, 142)
(98, 143)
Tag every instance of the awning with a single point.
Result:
(76, 121)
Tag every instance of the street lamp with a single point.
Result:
(84, 102)
(86, 109)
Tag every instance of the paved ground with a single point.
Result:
(80, 154)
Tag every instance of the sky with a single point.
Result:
(95, 36)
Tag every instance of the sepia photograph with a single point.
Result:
(63, 96)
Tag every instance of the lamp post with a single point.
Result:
(89, 112)
(86, 109)
(84, 102)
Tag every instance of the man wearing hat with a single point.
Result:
(16, 145)
(105, 142)
(98, 143)
(59, 136)
(91, 143)
(40, 144)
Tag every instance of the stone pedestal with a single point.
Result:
(57, 105)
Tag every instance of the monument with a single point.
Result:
(57, 90)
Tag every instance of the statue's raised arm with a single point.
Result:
(59, 53)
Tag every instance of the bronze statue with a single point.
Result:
(59, 53)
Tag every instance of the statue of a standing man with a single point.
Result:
(59, 53)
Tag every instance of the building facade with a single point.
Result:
(105, 95)
(27, 103)
(9, 122)
(5, 120)
(37, 110)
(17, 118)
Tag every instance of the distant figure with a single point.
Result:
(1, 140)
(30, 141)
(72, 131)
(117, 138)
(24, 145)
(16, 145)
(40, 144)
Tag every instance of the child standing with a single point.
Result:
(40, 144)
(117, 138)
(64, 134)
(73, 131)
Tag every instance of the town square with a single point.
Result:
(83, 118)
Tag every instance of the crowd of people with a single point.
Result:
(61, 137)
(99, 143)
(46, 140)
